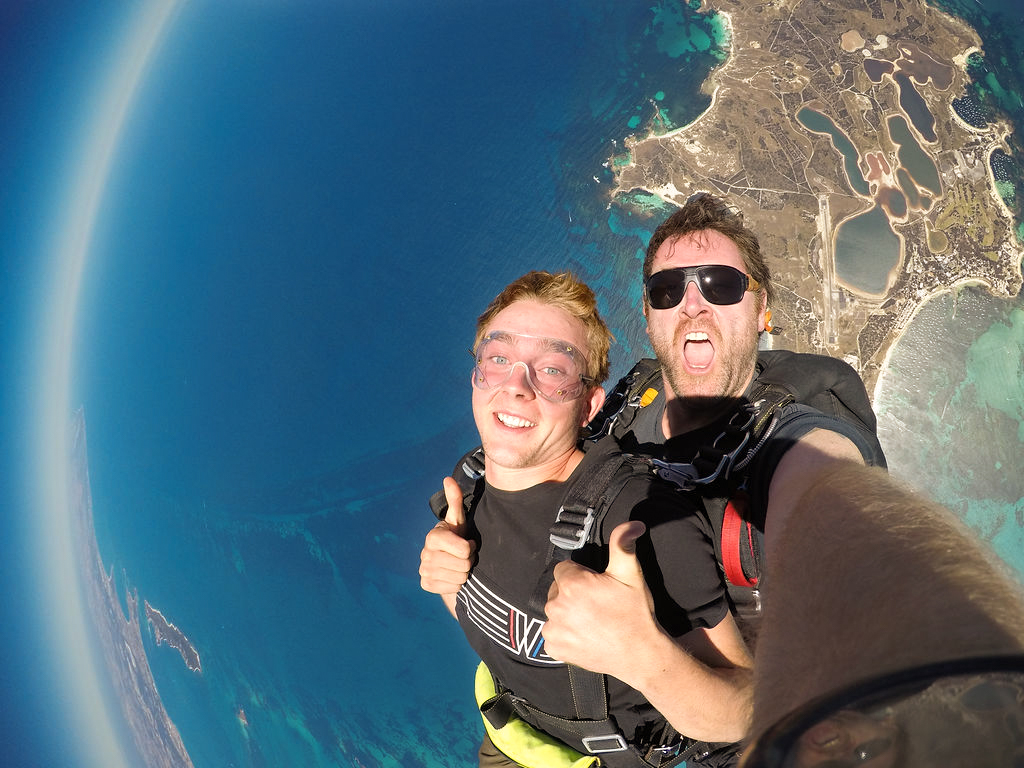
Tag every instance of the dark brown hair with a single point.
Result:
(704, 212)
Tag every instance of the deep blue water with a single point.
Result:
(304, 215)
(306, 211)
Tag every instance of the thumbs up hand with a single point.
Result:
(447, 555)
(455, 517)
(622, 563)
(598, 621)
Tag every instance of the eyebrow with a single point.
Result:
(561, 346)
(500, 336)
(551, 344)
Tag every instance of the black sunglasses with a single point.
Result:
(717, 283)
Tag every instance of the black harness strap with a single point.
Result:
(469, 474)
(579, 517)
(596, 736)
(578, 522)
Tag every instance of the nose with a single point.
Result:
(693, 302)
(518, 382)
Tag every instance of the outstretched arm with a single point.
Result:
(867, 577)
(605, 622)
(815, 452)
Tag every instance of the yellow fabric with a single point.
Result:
(524, 743)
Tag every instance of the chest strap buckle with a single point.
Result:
(612, 742)
(571, 529)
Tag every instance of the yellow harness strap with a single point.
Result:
(521, 741)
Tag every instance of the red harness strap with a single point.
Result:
(732, 528)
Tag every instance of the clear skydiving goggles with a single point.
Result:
(718, 283)
(555, 369)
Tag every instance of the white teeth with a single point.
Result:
(697, 336)
(514, 421)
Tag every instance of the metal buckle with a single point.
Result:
(615, 741)
(582, 535)
(618, 394)
(473, 466)
(688, 477)
(683, 475)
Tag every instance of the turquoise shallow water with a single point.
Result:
(956, 429)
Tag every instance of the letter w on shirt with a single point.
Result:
(503, 623)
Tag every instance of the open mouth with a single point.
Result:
(515, 422)
(698, 351)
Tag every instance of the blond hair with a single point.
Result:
(565, 291)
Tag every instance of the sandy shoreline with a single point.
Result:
(727, 150)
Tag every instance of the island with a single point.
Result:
(846, 135)
(165, 632)
(121, 651)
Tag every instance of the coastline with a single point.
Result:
(879, 387)
(122, 651)
(166, 632)
(1005, 147)
(756, 92)
(631, 140)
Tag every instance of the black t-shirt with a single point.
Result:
(493, 607)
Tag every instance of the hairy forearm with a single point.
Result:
(867, 577)
(703, 702)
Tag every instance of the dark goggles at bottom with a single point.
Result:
(718, 283)
(952, 713)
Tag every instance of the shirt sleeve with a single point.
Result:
(795, 421)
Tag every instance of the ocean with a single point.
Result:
(305, 215)
(303, 218)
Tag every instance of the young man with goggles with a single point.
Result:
(677, 674)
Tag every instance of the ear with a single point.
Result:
(595, 399)
(762, 318)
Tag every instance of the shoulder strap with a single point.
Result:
(579, 519)
(586, 501)
(469, 474)
(636, 389)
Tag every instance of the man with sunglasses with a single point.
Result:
(541, 353)
(707, 289)
(875, 598)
